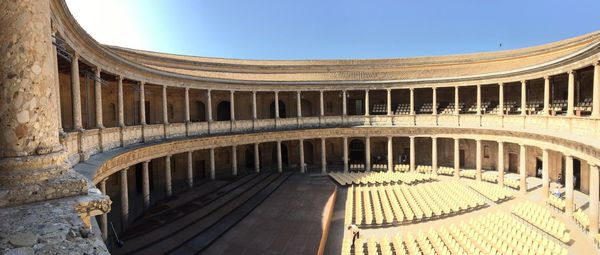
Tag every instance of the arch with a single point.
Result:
(356, 149)
(224, 111)
(306, 108)
(282, 112)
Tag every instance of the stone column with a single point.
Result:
(124, 199)
(456, 101)
(478, 159)
(276, 104)
(120, 104)
(298, 104)
(279, 163)
(523, 97)
(456, 158)
(187, 105)
(234, 160)
(571, 93)
(76, 93)
(211, 154)
(412, 101)
(594, 197)
(367, 102)
(546, 110)
(142, 104)
(145, 184)
(104, 216)
(434, 156)
(478, 99)
(501, 98)
(98, 97)
(164, 105)
(596, 91)
(500, 163)
(345, 154)
(412, 153)
(256, 158)
(323, 157)
(232, 105)
(321, 104)
(545, 174)
(254, 115)
(190, 170)
(301, 152)
(569, 185)
(390, 154)
(522, 169)
(209, 106)
(344, 103)
(367, 153)
(434, 101)
(168, 181)
(389, 102)
(61, 131)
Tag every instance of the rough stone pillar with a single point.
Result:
(298, 104)
(389, 102)
(412, 101)
(142, 104)
(594, 197)
(301, 152)
(168, 181)
(367, 102)
(234, 160)
(345, 154)
(254, 115)
(412, 153)
(571, 93)
(104, 216)
(569, 185)
(390, 154)
(522, 169)
(76, 93)
(124, 200)
(209, 106)
(276, 104)
(98, 97)
(120, 105)
(456, 101)
(211, 153)
(344, 102)
(434, 155)
(232, 104)
(367, 153)
(279, 163)
(500, 163)
(31, 155)
(434, 101)
(165, 105)
(478, 99)
(323, 157)
(523, 97)
(546, 110)
(321, 104)
(501, 98)
(187, 105)
(190, 170)
(596, 92)
(146, 184)
(256, 158)
(545, 174)
(478, 159)
(456, 158)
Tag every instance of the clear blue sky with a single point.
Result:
(328, 29)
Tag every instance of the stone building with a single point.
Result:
(87, 127)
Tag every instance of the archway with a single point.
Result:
(306, 108)
(199, 112)
(224, 110)
(308, 153)
(357, 151)
(282, 112)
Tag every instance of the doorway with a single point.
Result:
(513, 163)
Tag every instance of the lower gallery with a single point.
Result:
(114, 150)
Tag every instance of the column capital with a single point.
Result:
(75, 56)
(500, 142)
(411, 89)
(232, 91)
(546, 77)
(142, 83)
(254, 92)
(120, 78)
(571, 72)
(168, 155)
(523, 82)
(187, 89)
(434, 137)
(596, 63)
(97, 70)
(500, 84)
(388, 89)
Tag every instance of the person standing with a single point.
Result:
(355, 233)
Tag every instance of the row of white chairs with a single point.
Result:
(556, 202)
(490, 176)
(582, 219)
(493, 233)
(468, 173)
(446, 170)
(491, 191)
(542, 219)
(397, 204)
(366, 178)
(512, 183)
